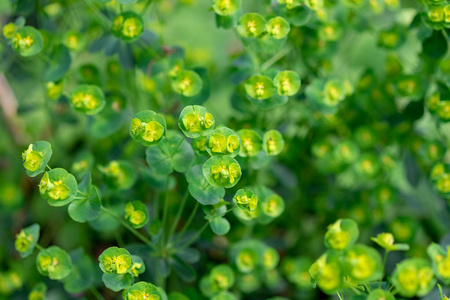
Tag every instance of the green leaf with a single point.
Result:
(185, 271)
(116, 282)
(88, 207)
(173, 153)
(83, 273)
(436, 46)
(220, 225)
(201, 190)
(60, 64)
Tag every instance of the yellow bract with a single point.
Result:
(153, 131)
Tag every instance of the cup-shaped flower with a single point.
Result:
(290, 4)
(115, 260)
(148, 128)
(413, 277)
(196, 121)
(259, 87)
(246, 200)
(199, 145)
(341, 234)
(88, 99)
(363, 264)
(251, 142)
(409, 86)
(136, 214)
(27, 41)
(187, 83)
(222, 170)
(440, 261)
(346, 152)
(251, 25)
(273, 142)
(386, 241)
(144, 291)
(270, 258)
(58, 186)
(54, 262)
(26, 240)
(334, 92)
(273, 206)
(443, 110)
(138, 266)
(223, 141)
(380, 294)
(326, 273)
(278, 27)
(38, 292)
(54, 89)
(119, 175)
(36, 157)
(247, 260)
(9, 30)
(74, 40)
(287, 83)
(367, 165)
(226, 7)
(128, 26)
(222, 276)
(435, 13)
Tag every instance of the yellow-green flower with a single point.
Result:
(153, 131)
(8, 30)
(218, 143)
(32, 159)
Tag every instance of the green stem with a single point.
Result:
(48, 167)
(45, 58)
(178, 146)
(191, 217)
(80, 192)
(166, 209)
(275, 58)
(146, 6)
(104, 20)
(195, 237)
(178, 216)
(131, 229)
(39, 247)
(96, 293)
(339, 296)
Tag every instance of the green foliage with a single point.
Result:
(201, 149)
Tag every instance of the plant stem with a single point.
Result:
(39, 247)
(339, 295)
(166, 208)
(96, 293)
(178, 146)
(146, 6)
(195, 237)
(177, 217)
(80, 192)
(191, 217)
(131, 229)
(275, 58)
(104, 20)
(48, 167)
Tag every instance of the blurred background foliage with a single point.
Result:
(397, 134)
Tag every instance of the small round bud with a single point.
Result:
(251, 25)
(278, 28)
(226, 7)
(128, 26)
(187, 83)
(259, 87)
(287, 83)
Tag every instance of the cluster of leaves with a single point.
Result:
(296, 113)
